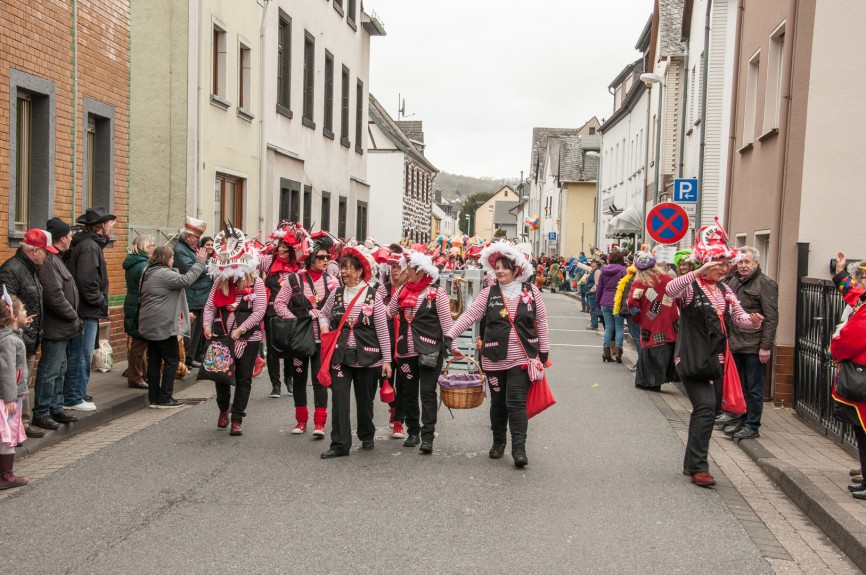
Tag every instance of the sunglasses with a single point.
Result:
(322, 257)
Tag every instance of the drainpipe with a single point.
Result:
(74, 104)
(704, 73)
(263, 166)
(683, 126)
(732, 127)
(199, 168)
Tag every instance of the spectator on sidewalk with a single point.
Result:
(185, 256)
(752, 348)
(604, 298)
(60, 323)
(163, 317)
(88, 268)
(135, 264)
(20, 275)
(13, 386)
(849, 343)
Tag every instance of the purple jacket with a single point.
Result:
(607, 282)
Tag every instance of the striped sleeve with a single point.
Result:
(681, 288)
(327, 313)
(380, 321)
(541, 321)
(393, 305)
(444, 310)
(281, 303)
(209, 309)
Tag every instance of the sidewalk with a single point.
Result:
(113, 399)
(808, 467)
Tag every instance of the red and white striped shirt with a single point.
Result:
(260, 305)
(442, 310)
(281, 304)
(516, 356)
(380, 320)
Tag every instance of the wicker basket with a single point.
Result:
(462, 391)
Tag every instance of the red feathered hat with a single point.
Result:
(367, 272)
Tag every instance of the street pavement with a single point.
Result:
(167, 492)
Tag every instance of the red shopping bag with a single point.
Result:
(539, 397)
(329, 344)
(732, 390)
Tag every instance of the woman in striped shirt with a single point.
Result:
(515, 333)
(236, 306)
(305, 293)
(704, 288)
(423, 319)
(362, 346)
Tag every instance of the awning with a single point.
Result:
(627, 223)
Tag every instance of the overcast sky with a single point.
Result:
(481, 74)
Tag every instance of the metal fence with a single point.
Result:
(819, 311)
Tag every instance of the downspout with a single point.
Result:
(263, 166)
(704, 74)
(683, 126)
(199, 168)
(732, 127)
(74, 104)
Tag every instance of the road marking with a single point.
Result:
(592, 330)
(572, 345)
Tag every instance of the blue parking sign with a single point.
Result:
(551, 236)
(685, 190)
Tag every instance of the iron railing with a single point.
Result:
(819, 311)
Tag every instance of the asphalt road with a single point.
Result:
(603, 493)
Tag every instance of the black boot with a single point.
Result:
(497, 451)
(518, 453)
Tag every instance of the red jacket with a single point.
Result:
(850, 344)
(658, 313)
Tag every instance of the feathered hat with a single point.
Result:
(424, 263)
(363, 257)
(711, 243)
(234, 257)
(505, 249)
(323, 240)
(644, 260)
(293, 235)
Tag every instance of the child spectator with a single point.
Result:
(13, 386)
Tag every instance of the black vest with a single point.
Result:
(244, 310)
(426, 328)
(498, 327)
(366, 340)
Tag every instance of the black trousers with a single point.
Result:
(414, 381)
(848, 414)
(342, 378)
(706, 398)
(162, 356)
(243, 384)
(195, 346)
(273, 361)
(303, 366)
(508, 405)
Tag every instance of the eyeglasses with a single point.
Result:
(321, 258)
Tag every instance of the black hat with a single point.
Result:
(95, 215)
(57, 228)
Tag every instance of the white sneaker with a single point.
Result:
(83, 406)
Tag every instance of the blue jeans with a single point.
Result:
(612, 322)
(593, 314)
(752, 373)
(634, 331)
(49, 378)
(80, 356)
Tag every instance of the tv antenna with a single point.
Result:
(401, 108)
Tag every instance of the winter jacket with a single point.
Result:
(757, 294)
(87, 264)
(60, 301)
(20, 276)
(605, 291)
(134, 264)
(164, 312)
(184, 259)
(13, 365)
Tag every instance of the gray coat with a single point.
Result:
(163, 311)
(12, 358)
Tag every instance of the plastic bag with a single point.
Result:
(103, 357)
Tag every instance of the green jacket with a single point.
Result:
(134, 264)
(198, 292)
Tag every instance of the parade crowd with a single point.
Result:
(325, 313)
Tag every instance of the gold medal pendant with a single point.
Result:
(503, 312)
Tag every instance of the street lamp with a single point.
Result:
(651, 78)
(469, 224)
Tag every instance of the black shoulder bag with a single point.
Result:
(295, 335)
(700, 340)
(851, 381)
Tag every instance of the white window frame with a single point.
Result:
(775, 67)
(751, 103)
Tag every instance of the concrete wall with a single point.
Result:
(385, 174)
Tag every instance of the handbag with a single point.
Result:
(386, 392)
(699, 341)
(851, 381)
(538, 398)
(218, 364)
(294, 335)
(329, 343)
(429, 360)
(733, 400)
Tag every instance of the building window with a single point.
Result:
(359, 115)
(741, 240)
(228, 200)
(98, 173)
(762, 244)
(245, 80)
(344, 109)
(361, 226)
(351, 13)
(592, 131)
(290, 200)
(308, 206)
(775, 64)
(309, 78)
(329, 95)
(751, 98)
(338, 6)
(23, 151)
(284, 65)
(326, 211)
(341, 218)
(218, 72)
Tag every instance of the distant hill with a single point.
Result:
(454, 186)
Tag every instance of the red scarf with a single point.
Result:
(281, 265)
(409, 296)
(315, 274)
(222, 300)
